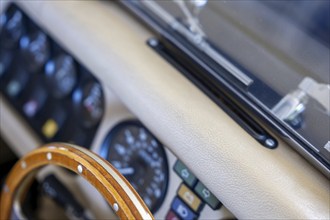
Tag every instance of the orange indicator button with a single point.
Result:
(190, 198)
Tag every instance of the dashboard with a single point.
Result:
(92, 73)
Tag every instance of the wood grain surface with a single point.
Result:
(120, 195)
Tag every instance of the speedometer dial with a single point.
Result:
(141, 158)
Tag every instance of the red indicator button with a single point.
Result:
(172, 216)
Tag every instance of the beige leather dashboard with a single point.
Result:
(251, 181)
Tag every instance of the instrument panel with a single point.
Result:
(56, 95)
(62, 101)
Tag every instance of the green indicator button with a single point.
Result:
(207, 196)
(185, 173)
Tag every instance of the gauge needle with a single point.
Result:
(126, 171)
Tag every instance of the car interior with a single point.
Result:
(165, 109)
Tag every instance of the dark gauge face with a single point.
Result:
(17, 82)
(61, 75)
(6, 57)
(35, 101)
(11, 28)
(35, 50)
(90, 103)
(141, 158)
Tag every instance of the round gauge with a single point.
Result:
(89, 103)
(11, 28)
(35, 50)
(6, 57)
(61, 75)
(17, 82)
(35, 101)
(141, 158)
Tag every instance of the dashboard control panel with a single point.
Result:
(60, 100)
(56, 95)
(191, 197)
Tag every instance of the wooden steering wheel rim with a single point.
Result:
(117, 191)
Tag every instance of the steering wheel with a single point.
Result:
(116, 190)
